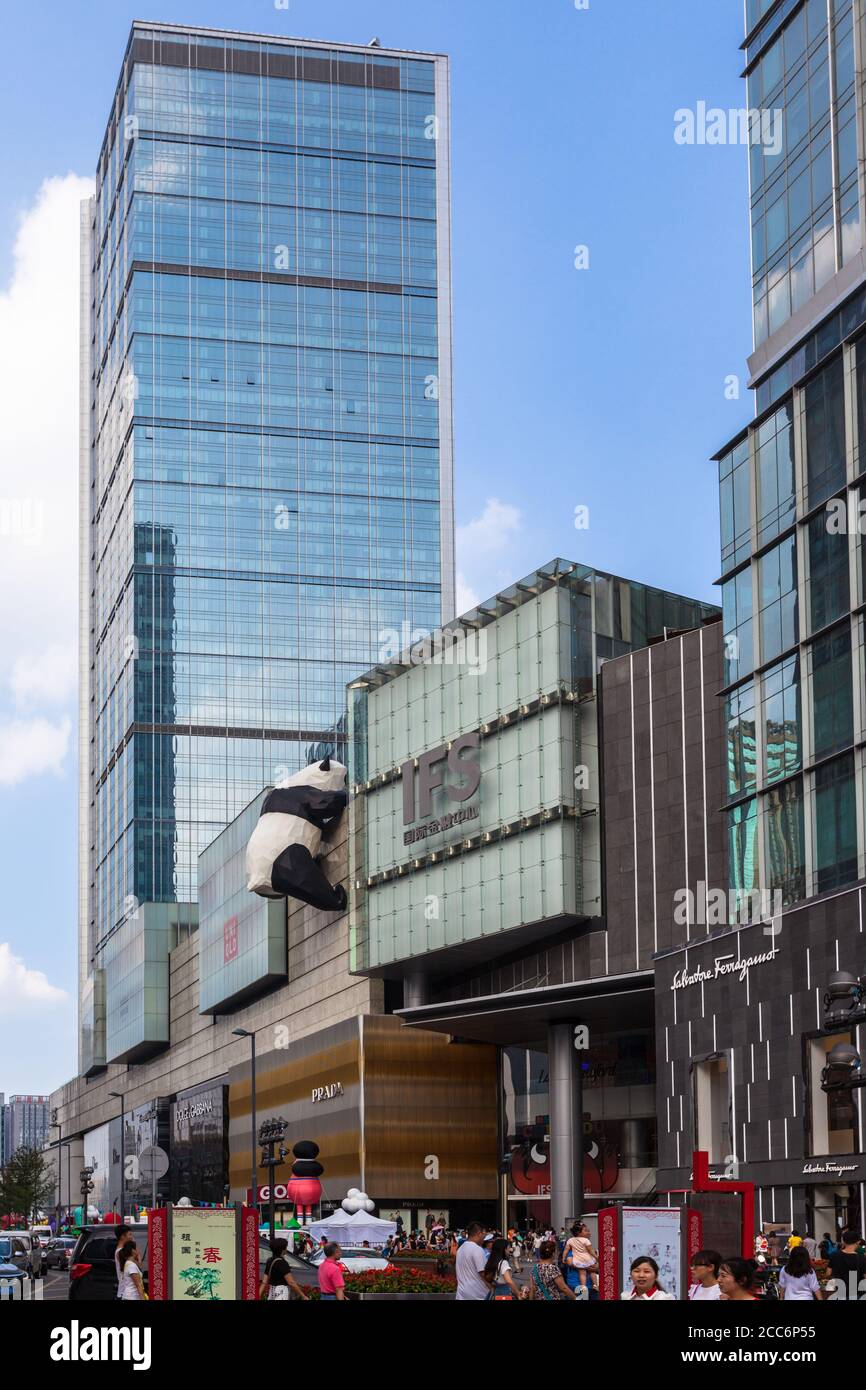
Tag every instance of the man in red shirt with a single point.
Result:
(331, 1282)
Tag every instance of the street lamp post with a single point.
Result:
(58, 1125)
(271, 1136)
(845, 1011)
(118, 1095)
(244, 1033)
(86, 1188)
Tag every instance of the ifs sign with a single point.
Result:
(461, 760)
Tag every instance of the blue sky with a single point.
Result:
(601, 387)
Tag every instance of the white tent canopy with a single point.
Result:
(353, 1230)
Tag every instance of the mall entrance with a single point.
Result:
(832, 1210)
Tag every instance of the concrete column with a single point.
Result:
(634, 1143)
(566, 1125)
(416, 991)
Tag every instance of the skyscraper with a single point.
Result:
(266, 454)
(23, 1124)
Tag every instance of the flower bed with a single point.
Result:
(393, 1280)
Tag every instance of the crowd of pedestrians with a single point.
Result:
(565, 1267)
(542, 1266)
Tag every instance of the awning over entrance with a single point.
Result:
(522, 1016)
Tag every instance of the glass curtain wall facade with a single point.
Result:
(791, 485)
(805, 200)
(266, 453)
(795, 707)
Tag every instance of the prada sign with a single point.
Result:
(329, 1092)
(427, 772)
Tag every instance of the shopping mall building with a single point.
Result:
(479, 843)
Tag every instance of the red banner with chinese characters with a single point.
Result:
(694, 1236)
(608, 1252)
(250, 1277)
(157, 1277)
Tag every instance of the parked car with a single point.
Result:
(24, 1251)
(303, 1271)
(11, 1277)
(58, 1252)
(92, 1273)
(355, 1259)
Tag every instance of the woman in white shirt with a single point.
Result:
(131, 1286)
(644, 1277)
(497, 1272)
(705, 1276)
(798, 1281)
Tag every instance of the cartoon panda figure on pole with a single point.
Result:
(283, 848)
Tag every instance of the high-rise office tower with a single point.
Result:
(266, 454)
(23, 1124)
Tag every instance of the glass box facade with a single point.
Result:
(266, 452)
(509, 836)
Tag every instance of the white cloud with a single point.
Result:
(490, 533)
(21, 987)
(485, 553)
(39, 485)
(466, 598)
(32, 747)
(48, 677)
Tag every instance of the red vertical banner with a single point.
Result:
(157, 1253)
(249, 1253)
(694, 1238)
(608, 1252)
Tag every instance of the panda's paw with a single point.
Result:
(340, 895)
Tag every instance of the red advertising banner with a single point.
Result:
(249, 1254)
(608, 1252)
(157, 1283)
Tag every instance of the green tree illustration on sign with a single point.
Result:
(202, 1282)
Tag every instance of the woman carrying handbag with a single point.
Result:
(278, 1285)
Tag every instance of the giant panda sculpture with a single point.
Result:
(282, 850)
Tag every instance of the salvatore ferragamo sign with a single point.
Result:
(731, 964)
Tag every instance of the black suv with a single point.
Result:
(92, 1275)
